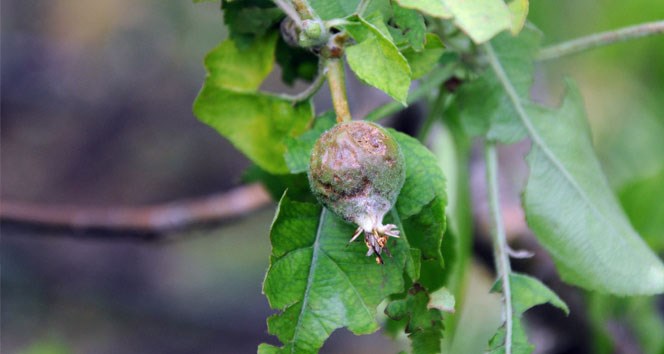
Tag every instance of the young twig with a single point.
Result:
(501, 255)
(600, 39)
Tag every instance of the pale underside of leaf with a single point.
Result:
(480, 19)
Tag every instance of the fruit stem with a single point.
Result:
(337, 82)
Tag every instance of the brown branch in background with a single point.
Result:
(146, 223)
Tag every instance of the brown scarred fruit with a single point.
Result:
(356, 171)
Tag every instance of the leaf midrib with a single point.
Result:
(314, 263)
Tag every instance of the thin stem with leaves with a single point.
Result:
(501, 253)
(601, 39)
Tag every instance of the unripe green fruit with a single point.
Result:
(356, 171)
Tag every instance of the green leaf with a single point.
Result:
(424, 178)
(422, 62)
(480, 19)
(330, 9)
(249, 20)
(298, 150)
(568, 202)
(573, 212)
(526, 292)
(295, 63)
(486, 108)
(256, 123)
(421, 207)
(434, 8)
(322, 283)
(424, 325)
(377, 61)
(519, 11)
(411, 24)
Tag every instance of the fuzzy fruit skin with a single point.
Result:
(356, 171)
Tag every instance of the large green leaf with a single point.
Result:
(568, 202)
(376, 60)
(256, 123)
(574, 213)
(322, 283)
(526, 292)
(480, 19)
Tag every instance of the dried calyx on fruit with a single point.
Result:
(356, 171)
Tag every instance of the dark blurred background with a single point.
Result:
(96, 111)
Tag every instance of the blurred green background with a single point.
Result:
(96, 111)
